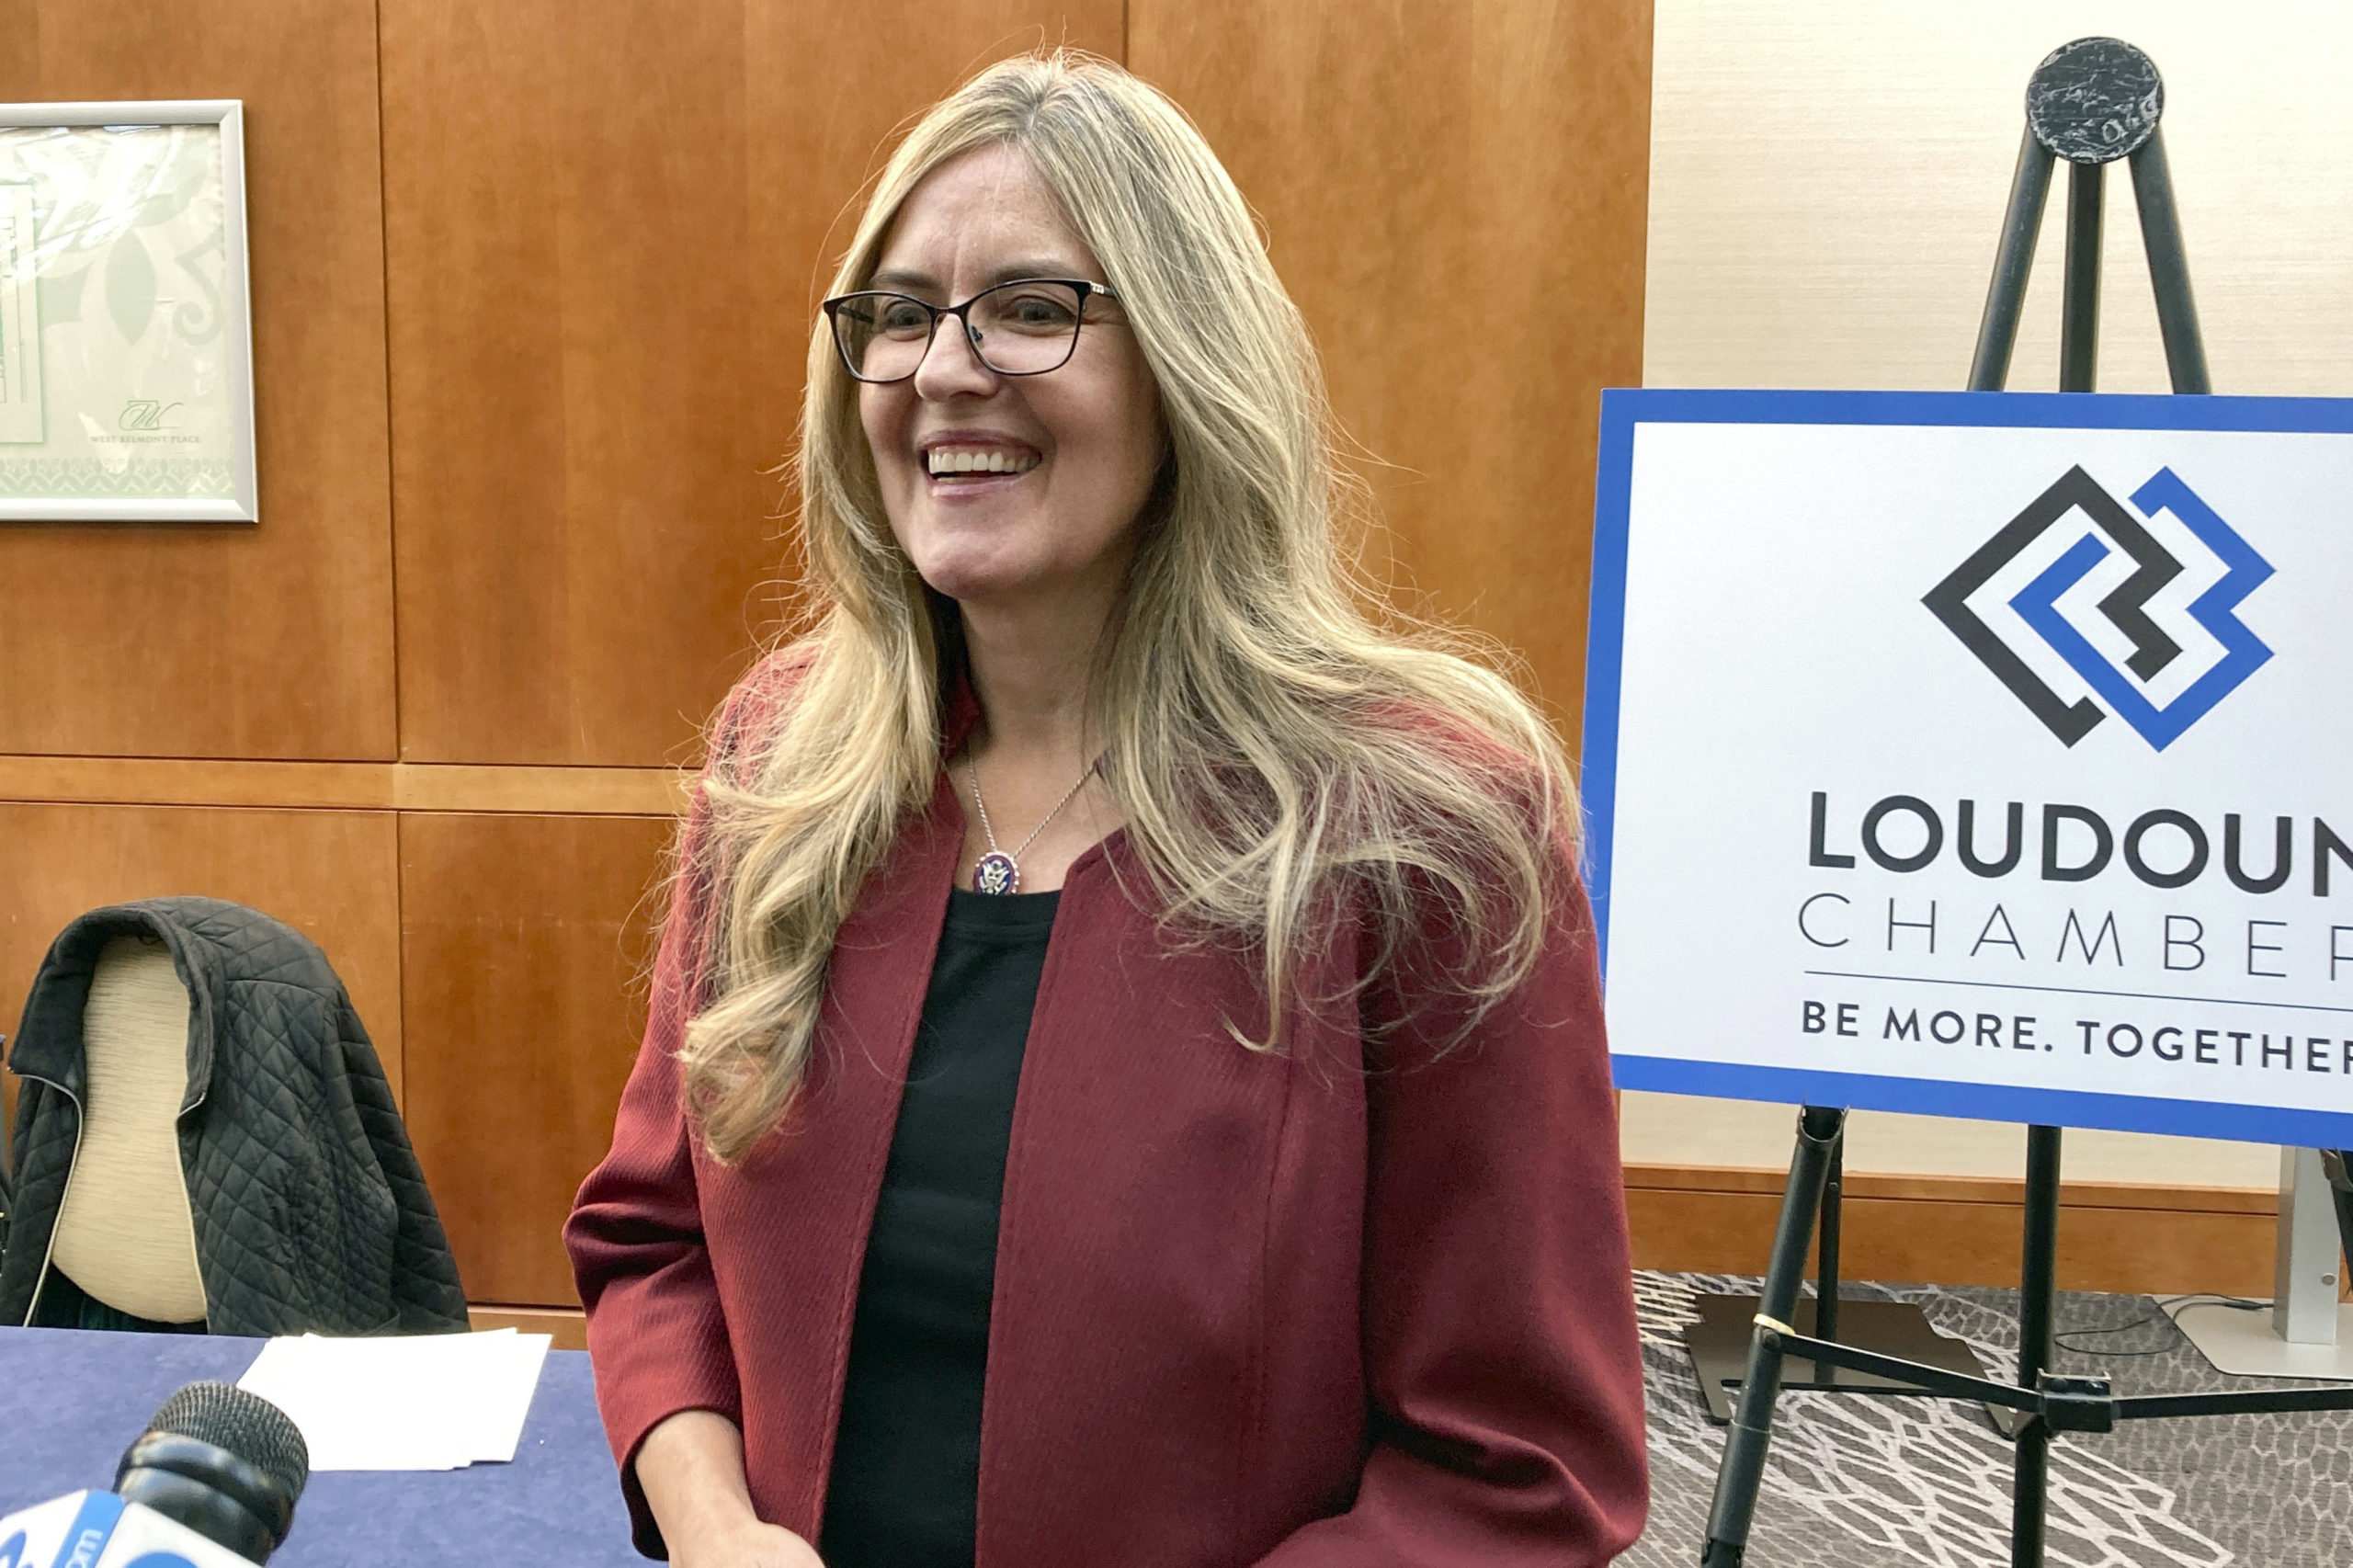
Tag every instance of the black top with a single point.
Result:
(905, 1482)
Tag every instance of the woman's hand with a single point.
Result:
(748, 1545)
(692, 1467)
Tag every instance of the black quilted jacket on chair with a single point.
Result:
(311, 1215)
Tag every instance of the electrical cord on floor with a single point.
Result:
(2066, 1341)
(2211, 1299)
(2070, 1340)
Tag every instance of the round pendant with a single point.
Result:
(996, 872)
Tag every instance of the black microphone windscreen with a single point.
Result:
(245, 1424)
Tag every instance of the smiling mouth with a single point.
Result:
(953, 464)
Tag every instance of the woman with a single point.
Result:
(1302, 1243)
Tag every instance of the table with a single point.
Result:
(1852, 1483)
(71, 1401)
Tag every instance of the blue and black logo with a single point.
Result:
(2124, 688)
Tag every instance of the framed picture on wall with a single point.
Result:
(126, 350)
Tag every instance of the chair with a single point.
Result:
(206, 1141)
(125, 1234)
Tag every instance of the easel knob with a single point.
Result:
(2094, 100)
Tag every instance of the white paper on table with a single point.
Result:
(421, 1402)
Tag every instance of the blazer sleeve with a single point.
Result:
(657, 1335)
(1503, 1359)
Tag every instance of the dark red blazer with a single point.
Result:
(1279, 1310)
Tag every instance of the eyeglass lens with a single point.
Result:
(1019, 329)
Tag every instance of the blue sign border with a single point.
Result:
(1623, 409)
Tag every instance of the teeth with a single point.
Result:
(972, 460)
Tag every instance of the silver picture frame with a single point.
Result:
(126, 338)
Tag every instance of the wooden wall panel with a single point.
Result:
(566, 1327)
(1454, 193)
(1964, 1231)
(523, 941)
(353, 786)
(230, 641)
(331, 875)
(602, 221)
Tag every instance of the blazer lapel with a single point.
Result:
(804, 1199)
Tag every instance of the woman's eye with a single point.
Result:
(1038, 312)
(902, 317)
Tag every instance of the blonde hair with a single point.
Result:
(1278, 756)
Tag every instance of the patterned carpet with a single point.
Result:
(1856, 1482)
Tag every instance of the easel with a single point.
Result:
(2092, 102)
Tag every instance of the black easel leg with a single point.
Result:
(2340, 1183)
(1825, 1269)
(1997, 331)
(1819, 1132)
(2039, 1270)
(2079, 315)
(2037, 1300)
(2169, 268)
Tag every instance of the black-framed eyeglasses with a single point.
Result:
(1026, 328)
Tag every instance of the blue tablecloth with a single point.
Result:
(71, 1401)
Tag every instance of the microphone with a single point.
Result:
(226, 1464)
(210, 1484)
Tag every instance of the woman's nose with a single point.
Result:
(953, 364)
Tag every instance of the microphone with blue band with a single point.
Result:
(212, 1484)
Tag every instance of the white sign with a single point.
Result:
(1981, 754)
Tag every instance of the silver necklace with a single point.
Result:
(996, 871)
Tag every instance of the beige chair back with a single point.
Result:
(125, 1233)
